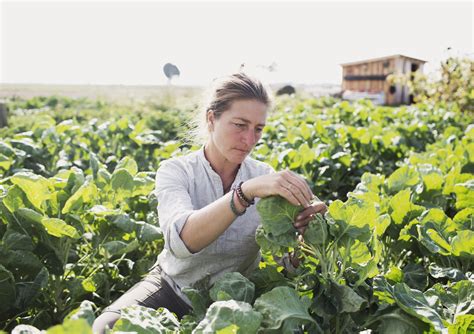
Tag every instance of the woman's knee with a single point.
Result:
(105, 319)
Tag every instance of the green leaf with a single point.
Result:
(117, 247)
(232, 329)
(358, 253)
(398, 322)
(87, 193)
(122, 181)
(277, 214)
(28, 291)
(465, 218)
(403, 210)
(414, 302)
(435, 230)
(7, 289)
(432, 177)
(354, 219)
(434, 241)
(235, 286)
(5, 162)
(463, 244)
(103, 178)
(6, 149)
(122, 221)
(35, 187)
(148, 232)
(27, 145)
(78, 326)
(128, 164)
(223, 314)
(94, 164)
(415, 276)
(383, 290)
(30, 215)
(317, 231)
(452, 274)
(464, 194)
(457, 299)
(143, 320)
(267, 278)
(403, 177)
(142, 185)
(103, 211)
(22, 263)
(464, 324)
(394, 275)
(199, 300)
(17, 241)
(15, 199)
(59, 228)
(345, 299)
(84, 311)
(274, 244)
(383, 222)
(282, 310)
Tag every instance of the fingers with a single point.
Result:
(296, 188)
(303, 219)
(289, 196)
(299, 191)
(309, 212)
(302, 225)
(319, 207)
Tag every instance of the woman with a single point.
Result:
(206, 202)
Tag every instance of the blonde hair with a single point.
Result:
(219, 98)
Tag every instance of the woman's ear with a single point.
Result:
(210, 120)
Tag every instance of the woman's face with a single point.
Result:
(238, 129)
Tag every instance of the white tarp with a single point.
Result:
(376, 98)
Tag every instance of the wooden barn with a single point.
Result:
(368, 78)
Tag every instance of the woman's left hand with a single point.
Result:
(305, 216)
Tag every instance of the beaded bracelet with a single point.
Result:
(243, 202)
(232, 205)
(242, 197)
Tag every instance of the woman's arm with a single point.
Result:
(205, 225)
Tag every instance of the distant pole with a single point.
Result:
(170, 71)
(3, 115)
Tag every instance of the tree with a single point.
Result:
(453, 84)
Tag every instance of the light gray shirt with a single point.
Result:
(184, 185)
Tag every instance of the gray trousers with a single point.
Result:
(152, 291)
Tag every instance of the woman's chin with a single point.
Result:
(238, 157)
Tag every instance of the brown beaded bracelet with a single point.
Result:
(242, 201)
(232, 205)
(242, 197)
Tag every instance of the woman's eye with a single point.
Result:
(239, 125)
(259, 130)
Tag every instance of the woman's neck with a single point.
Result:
(224, 168)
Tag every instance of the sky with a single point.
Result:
(128, 43)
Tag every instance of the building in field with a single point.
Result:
(368, 79)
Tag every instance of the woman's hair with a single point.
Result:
(219, 98)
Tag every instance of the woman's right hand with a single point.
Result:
(287, 184)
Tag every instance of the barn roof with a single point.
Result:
(381, 58)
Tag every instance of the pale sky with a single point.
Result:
(110, 42)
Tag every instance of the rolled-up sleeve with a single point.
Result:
(174, 205)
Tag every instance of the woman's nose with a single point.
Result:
(250, 137)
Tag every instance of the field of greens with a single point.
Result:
(394, 253)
